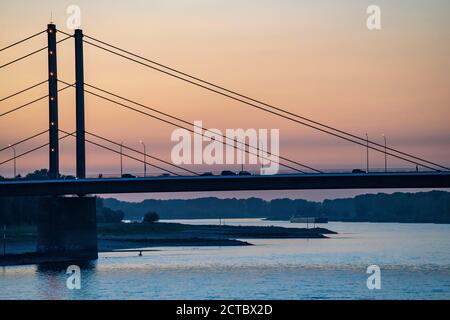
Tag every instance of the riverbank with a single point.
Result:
(123, 236)
(173, 230)
(137, 235)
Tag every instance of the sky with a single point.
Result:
(314, 58)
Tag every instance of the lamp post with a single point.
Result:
(14, 153)
(385, 153)
(240, 152)
(121, 160)
(145, 158)
(367, 151)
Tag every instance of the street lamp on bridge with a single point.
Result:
(367, 151)
(121, 160)
(385, 153)
(14, 153)
(145, 158)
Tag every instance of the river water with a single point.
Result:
(414, 260)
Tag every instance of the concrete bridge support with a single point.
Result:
(68, 228)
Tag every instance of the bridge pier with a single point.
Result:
(68, 228)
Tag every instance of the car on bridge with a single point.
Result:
(165, 175)
(358, 171)
(244, 173)
(127, 175)
(227, 173)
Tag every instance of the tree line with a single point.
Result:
(433, 206)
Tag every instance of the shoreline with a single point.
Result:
(115, 237)
(129, 244)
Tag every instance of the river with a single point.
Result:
(414, 260)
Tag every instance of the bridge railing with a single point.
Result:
(222, 172)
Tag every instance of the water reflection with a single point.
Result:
(51, 279)
(58, 267)
(414, 259)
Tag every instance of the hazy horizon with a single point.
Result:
(311, 195)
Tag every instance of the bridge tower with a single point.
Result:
(67, 226)
(79, 85)
(53, 103)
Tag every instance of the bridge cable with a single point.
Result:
(23, 57)
(142, 153)
(23, 40)
(243, 144)
(29, 54)
(124, 154)
(30, 151)
(29, 103)
(182, 127)
(263, 103)
(23, 106)
(193, 131)
(24, 140)
(176, 125)
(24, 90)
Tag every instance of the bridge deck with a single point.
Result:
(226, 183)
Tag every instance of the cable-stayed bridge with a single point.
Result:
(179, 178)
(67, 225)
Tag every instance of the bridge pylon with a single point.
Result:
(53, 103)
(79, 87)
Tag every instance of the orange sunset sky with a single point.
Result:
(314, 58)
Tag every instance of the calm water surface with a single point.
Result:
(414, 261)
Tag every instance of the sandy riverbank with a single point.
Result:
(21, 242)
